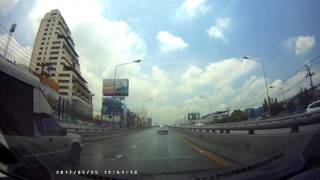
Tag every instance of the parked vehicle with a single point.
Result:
(313, 107)
(26, 120)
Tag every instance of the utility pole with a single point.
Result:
(309, 75)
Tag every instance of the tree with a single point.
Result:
(274, 106)
(238, 115)
(305, 97)
(291, 106)
(265, 105)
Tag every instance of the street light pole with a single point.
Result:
(265, 78)
(210, 105)
(114, 81)
(142, 117)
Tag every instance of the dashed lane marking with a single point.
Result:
(119, 156)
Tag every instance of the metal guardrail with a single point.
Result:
(292, 121)
(97, 129)
(83, 128)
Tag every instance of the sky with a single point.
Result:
(189, 48)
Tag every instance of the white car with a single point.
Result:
(163, 129)
(313, 107)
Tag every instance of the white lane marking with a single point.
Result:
(201, 151)
(119, 156)
(133, 146)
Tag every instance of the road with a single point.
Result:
(147, 152)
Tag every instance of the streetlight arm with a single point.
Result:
(264, 73)
(135, 61)
(203, 97)
(249, 58)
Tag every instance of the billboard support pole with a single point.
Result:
(114, 91)
(114, 81)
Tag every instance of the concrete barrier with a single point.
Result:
(246, 148)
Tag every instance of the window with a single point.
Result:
(64, 75)
(51, 126)
(46, 29)
(53, 57)
(39, 125)
(54, 52)
(63, 81)
(64, 93)
(39, 58)
(41, 48)
(64, 87)
(44, 34)
(52, 14)
(55, 47)
(315, 105)
(44, 38)
(42, 43)
(40, 53)
(49, 20)
(16, 117)
(51, 63)
(56, 42)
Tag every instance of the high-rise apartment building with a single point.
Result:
(54, 54)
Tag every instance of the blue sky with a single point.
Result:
(189, 47)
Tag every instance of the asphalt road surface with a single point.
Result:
(147, 152)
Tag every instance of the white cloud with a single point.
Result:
(6, 6)
(191, 8)
(216, 75)
(169, 42)
(300, 44)
(217, 30)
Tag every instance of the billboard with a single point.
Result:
(193, 116)
(119, 87)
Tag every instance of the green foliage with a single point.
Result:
(238, 115)
(273, 106)
(305, 97)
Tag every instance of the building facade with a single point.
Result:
(212, 117)
(54, 55)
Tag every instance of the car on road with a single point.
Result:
(313, 107)
(163, 129)
(27, 119)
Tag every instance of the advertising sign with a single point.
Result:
(119, 87)
(193, 116)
